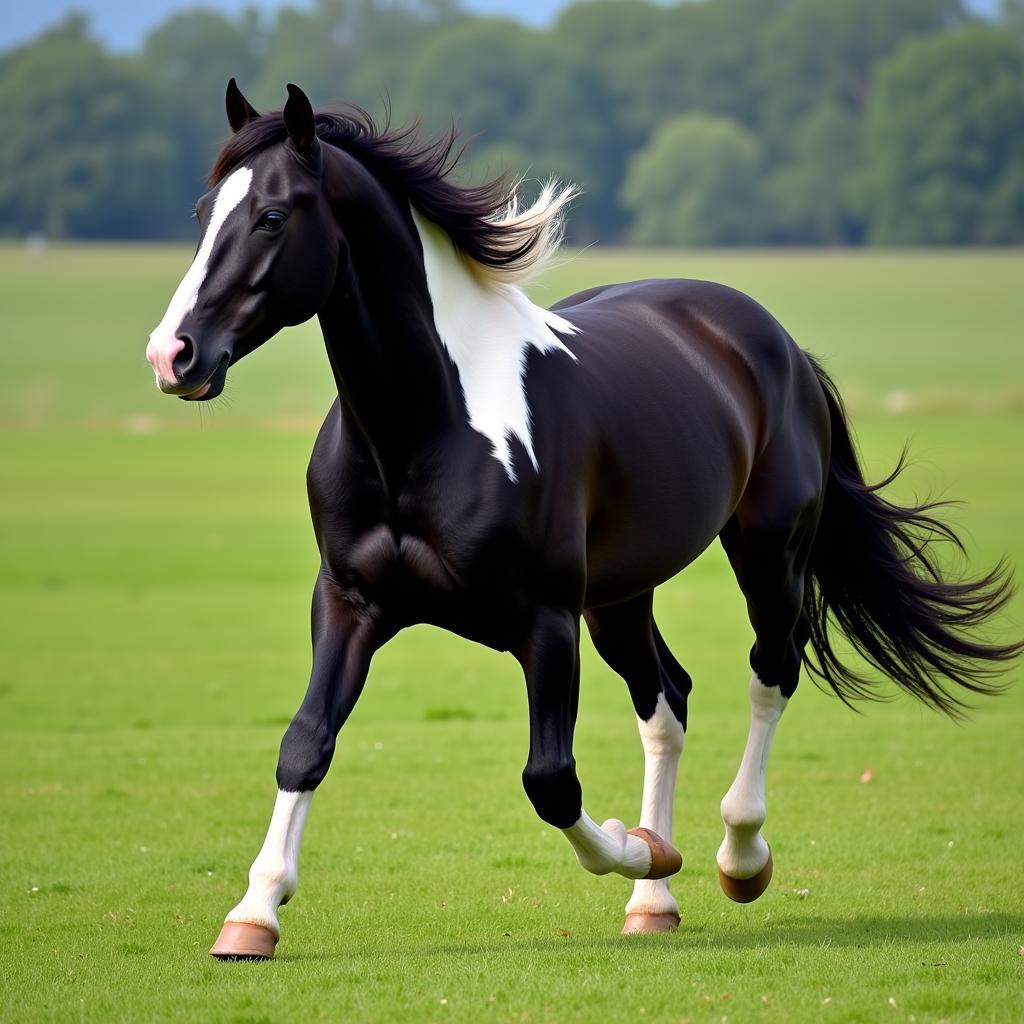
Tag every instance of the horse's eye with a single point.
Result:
(272, 220)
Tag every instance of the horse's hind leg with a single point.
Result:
(627, 638)
(768, 541)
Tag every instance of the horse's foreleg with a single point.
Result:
(343, 643)
(550, 658)
(251, 928)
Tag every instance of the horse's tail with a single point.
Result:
(875, 572)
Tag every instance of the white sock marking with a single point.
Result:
(274, 875)
(663, 739)
(488, 329)
(608, 848)
(743, 851)
(164, 344)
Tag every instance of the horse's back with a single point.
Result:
(684, 384)
(701, 319)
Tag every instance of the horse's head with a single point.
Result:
(267, 257)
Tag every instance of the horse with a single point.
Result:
(509, 472)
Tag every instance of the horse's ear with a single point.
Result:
(240, 110)
(300, 121)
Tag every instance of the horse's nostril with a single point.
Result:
(184, 360)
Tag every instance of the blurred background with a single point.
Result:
(723, 122)
(857, 166)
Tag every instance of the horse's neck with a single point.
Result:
(422, 341)
(397, 386)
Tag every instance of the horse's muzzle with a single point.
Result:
(211, 387)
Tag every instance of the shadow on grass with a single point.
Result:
(865, 933)
(868, 931)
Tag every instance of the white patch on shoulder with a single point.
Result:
(488, 328)
(163, 342)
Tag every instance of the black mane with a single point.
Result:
(416, 167)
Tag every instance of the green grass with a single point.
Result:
(155, 570)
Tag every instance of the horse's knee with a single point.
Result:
(306, 752)
(554, 790)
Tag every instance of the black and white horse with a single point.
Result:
(504, 471)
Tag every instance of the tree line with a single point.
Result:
(722, 122)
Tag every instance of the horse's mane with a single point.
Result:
(484, 222)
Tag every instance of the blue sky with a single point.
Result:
(123, 23)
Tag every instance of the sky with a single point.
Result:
(122, 24)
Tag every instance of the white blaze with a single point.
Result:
(164, 344)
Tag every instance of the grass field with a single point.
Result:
(155, 568)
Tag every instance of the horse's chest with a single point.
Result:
(408, 579)
(384, 561)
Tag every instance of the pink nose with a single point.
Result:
(161, 352)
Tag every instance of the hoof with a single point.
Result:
(644, 924)
(240, 941)
(746, 890)
(665, 858)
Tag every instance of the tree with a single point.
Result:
(820, 52)
(617, 39)
(696, 183)
(189, 59)
(945, 141)
(812, 193)
(809, 121)
(658, 61)
(348, 50)
(1012, 14)
(82, 156)
(507, 84)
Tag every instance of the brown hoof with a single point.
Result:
(665, 858)
(239, 941)
(746, 890)
(644, 924)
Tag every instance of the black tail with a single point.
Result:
(875, 572)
